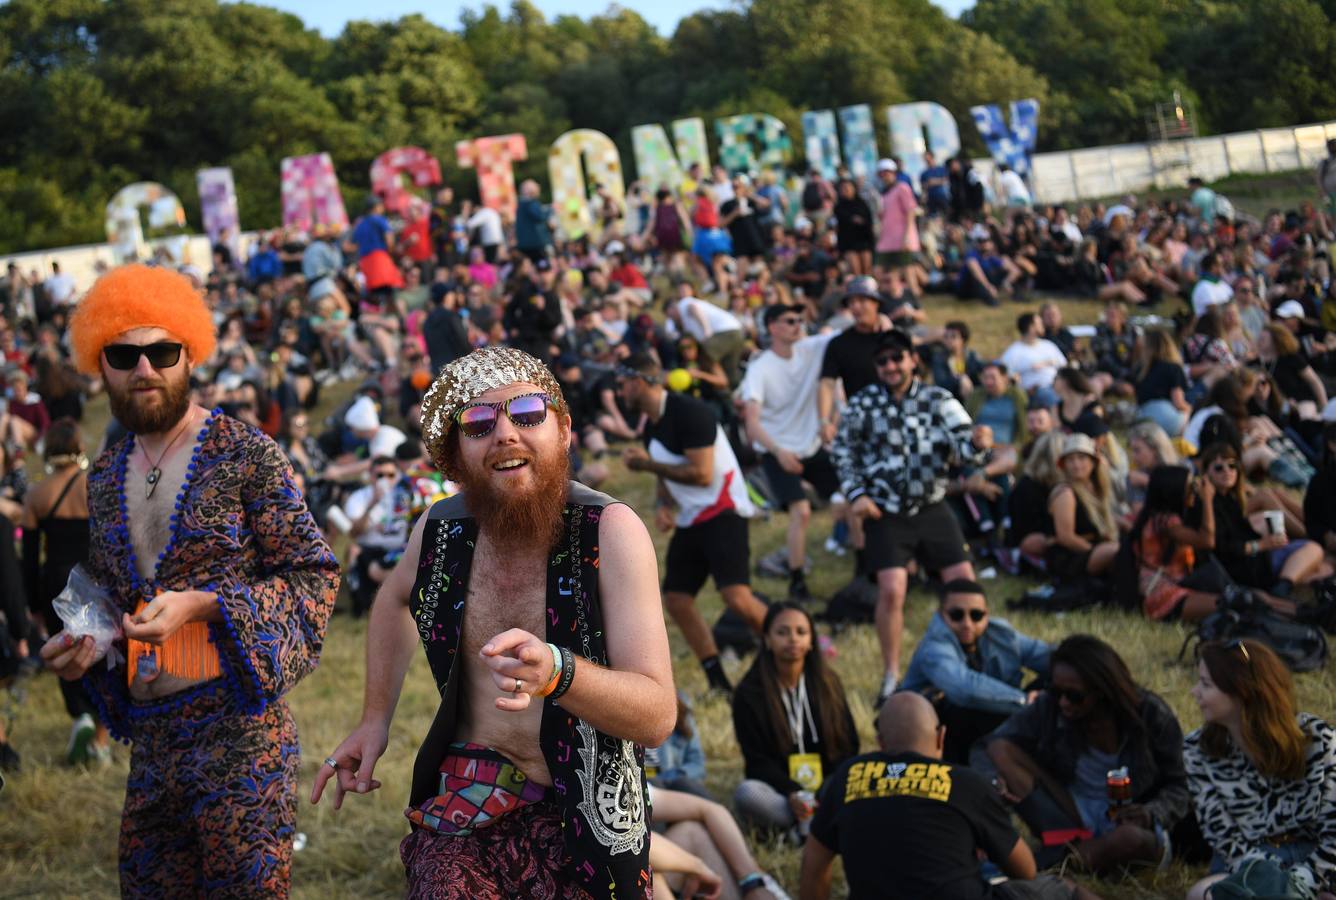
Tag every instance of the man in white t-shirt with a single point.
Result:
(59, 288)
(1032, 359)
(1211, 288)
(379, 516)
(717, 330)
(1012, 190)
(485, 223)
(783, 424)
(698, 474)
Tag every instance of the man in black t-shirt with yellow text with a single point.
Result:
(909, 825)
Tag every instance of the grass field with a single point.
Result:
(59, 838)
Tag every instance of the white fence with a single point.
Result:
(1126, 168)
(1056, 178)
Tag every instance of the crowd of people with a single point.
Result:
(758, 349)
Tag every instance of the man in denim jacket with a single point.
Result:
(970, 667)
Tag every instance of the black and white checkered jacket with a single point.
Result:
(898, 452)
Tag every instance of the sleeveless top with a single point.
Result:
(66, 541)
(598, 780)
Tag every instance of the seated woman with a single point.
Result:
(1278, 353)
(1161, 385)
(1053, 758)
(1262, 777)
(1031, 524)
(1165, 549)
(792, 722)
(1272, 562)
(1076, 397)
(971, 667)
(1235, 411)
(1207, 353)
(1085, 533)
(708, 832)
(1148, 447)
(678, 764)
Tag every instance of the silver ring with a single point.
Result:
(519, 686)
(332, 763)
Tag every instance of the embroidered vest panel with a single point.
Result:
(598, 779)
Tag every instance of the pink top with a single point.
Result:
(899, 227)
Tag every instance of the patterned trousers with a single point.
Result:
(211, 803)
(516, 857)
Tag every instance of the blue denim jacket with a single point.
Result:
(939, 662)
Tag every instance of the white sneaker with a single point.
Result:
(81, 736)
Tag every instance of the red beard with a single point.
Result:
(514, 519)
(166, 410)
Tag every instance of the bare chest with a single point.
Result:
(150, 507)
(497, 603)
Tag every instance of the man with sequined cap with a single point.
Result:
(536, 601)
(224, 584)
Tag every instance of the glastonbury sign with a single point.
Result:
(750, 142)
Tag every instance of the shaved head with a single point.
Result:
(907, 722)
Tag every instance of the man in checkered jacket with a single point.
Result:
(897, 440)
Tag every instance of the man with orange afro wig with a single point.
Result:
(203, 541)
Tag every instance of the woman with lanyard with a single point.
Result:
(792, 723)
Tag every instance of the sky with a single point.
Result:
(329, 16)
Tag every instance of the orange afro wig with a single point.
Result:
(138, 296)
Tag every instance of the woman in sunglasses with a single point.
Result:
(1270, 562)
(792, 722)
(1262, 775)
(1054, 759)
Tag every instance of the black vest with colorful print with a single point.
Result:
(598, 780)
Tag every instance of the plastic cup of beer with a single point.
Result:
(1275, 521)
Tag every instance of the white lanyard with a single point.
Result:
(796, 707)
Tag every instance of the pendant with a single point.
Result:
(151, 481)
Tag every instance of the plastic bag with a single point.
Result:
(85, 608)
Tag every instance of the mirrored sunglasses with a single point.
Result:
(524, 411)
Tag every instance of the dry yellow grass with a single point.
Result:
(59, 838)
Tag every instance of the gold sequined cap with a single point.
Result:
(467, 378)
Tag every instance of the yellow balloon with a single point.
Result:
(679, 380)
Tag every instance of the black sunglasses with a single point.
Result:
(890, 356)
(958, 614)
(1073, 697)
(1224, 465)
(1237, 644)
(790, 320)
(161, 355)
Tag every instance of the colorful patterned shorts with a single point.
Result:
(478, 786)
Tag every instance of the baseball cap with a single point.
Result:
(887, 165)
(614, 247)
(860, 286)
(895, 339)
(1044, 398)
(775, 310)
(1290, 309)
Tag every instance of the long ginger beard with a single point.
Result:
(151, 413)
(514, 518)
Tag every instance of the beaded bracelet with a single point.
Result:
(567, 673)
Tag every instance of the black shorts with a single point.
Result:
(717, 548)
(818, 471)
(932, 536)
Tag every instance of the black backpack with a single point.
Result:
(855, 603)
(812, 196)
(1239, 614)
